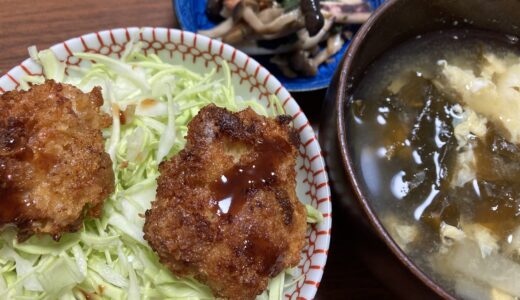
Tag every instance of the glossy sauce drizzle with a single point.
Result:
(13, 196)
(231, 190)
(11, 145)
(239, 183)
(269, 255)
(10, 204)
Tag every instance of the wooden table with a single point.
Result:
(43, 23)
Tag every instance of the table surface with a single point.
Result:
(43, 23)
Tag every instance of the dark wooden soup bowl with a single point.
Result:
(393, 23)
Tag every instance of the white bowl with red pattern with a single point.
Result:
(251, 81)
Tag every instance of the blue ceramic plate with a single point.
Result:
(192, 17)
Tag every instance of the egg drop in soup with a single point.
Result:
(434, 132)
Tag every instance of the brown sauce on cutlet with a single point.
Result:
(146, 103)
(12, 145)
(122, 118)
(267, 255)
(13, 140)
(239, 183)
(10, 203)
(232, 188)
(45, 161)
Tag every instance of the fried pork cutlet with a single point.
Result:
(226, 209)
(53, 167)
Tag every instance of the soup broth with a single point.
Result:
(433, 136)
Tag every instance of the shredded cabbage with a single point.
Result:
(313, 215)
(109, 256)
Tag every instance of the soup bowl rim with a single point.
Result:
(342, 107)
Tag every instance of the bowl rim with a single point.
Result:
(318, 185)
(346, 158)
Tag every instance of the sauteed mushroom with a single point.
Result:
(213, 9)
(347, 11)
(313, 18)
(295, 28)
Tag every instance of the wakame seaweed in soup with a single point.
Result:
(434, 130)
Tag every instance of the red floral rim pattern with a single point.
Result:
(191, 48)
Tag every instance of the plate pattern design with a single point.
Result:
(250, 80)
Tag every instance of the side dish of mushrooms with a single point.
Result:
(300, 34)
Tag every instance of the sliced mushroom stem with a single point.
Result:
(299, 61)
(269, 14)
(219, 30)
(304, 41)
(307, 42)
(281, 62)
(285, 48)
(334, 44)
(231, 4)
(350, 12)
(288, 30)
(274, 26)
(237, 34)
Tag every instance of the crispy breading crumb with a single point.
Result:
(53, 167)
(226, 210)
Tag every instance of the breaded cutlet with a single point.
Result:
(54, 170)
(226, 210)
